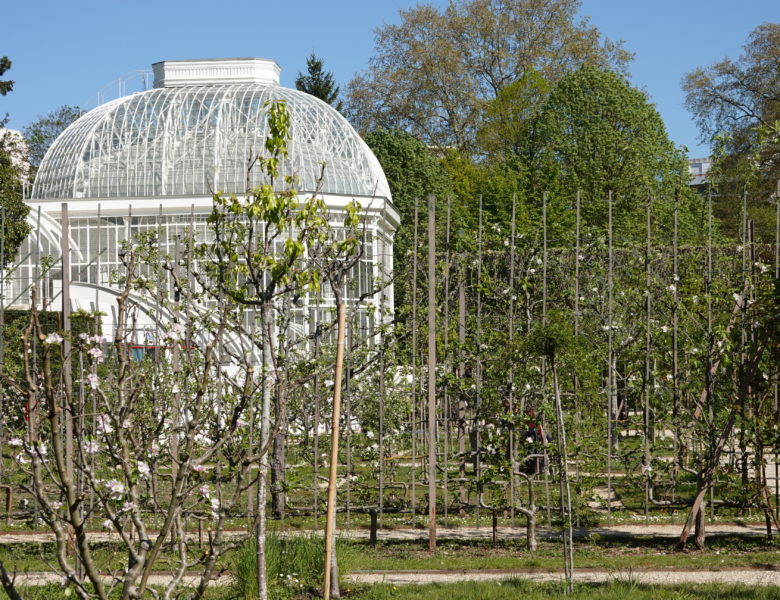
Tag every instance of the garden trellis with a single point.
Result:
(652, 333)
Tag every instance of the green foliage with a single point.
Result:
(598, 134)
(736, 104)
(12, 176)
(5, 86)
(506, 121)
(433, 73)
(319, 83)
(413, 172)
(41, 133)
(293, 564)
(246, 227)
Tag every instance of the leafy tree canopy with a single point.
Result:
(41, 133)
(13, 225)
(433, 73)
(737, 106)
(598, 134)
(319, 83)
(413, 172)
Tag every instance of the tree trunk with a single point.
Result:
(279, 458)
(262, 475)
(700, 533)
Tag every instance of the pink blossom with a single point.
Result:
(97, 354)
(93, 381)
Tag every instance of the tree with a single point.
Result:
(433, 73)
(5, 86)
(413, 172)
(12, 176)
(41, 133)
(319, 83)
(598, 134)
(736, 104)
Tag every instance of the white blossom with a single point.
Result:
(15, 441)
(143, 469)
(91, 447)
(116, 488)
(53, 339)
(104, 424)
(176, 332)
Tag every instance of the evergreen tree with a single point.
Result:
(5, 86)
(319, 83)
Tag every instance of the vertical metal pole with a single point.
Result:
(381, 440)
(512, 464)
(777, 372)
(648, 348)
(2, 338)
(431, 372)
(610, 357)
(544, 359)
(478, 367)
(709, 380)
(462, 375)
(348, 418)
(446, 411)
(577, 249)
(67, 374)
(414, 362)
(675, 343)
(316, 391)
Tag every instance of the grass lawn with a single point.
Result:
(505, 590)
(513, 589)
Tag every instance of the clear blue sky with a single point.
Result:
(66, 52)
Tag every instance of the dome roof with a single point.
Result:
(190, 140)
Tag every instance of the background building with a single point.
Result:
(153, 159)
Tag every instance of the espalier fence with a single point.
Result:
(522, 364)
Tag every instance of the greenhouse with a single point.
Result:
(151, 161)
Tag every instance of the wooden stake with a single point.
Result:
(330, 522)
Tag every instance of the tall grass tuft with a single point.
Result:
(293, 565)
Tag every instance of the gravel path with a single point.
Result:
(645, 576)
(667, 576)
(455, 533)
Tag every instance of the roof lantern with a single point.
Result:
(179, 73)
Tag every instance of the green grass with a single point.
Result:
(294, 566)
(726, 551)
(513, 589)
(510, 589)
(305, 551)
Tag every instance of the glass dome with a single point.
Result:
(193, 140)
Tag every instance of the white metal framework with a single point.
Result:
(151, 161)
(195, 140)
